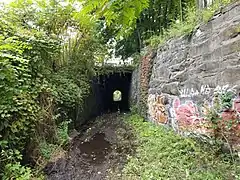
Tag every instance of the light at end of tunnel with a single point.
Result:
(117, 95)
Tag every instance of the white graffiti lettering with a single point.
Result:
(206, 90)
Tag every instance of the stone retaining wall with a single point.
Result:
(192, 75)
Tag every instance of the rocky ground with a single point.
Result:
(97, 152)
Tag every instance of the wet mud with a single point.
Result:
(96, 152)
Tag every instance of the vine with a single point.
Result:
(43, 78)
(145, 74)
(105, 70)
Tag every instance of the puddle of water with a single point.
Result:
(96, 149)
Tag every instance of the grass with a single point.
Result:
(192, 19)
(162, 154)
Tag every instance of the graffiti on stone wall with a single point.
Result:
(189, 117)
(194, 117)
(206, 90)
(187, 114)
(156, 108)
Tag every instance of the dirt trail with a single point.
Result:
(96, 152)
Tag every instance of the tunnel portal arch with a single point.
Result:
(100, 99)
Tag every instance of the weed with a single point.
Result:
(162, 154)
(47, 149)
(62, 133)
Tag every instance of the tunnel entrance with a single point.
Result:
(114, 91)
(101, 98)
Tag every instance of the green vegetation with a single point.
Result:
(162, 154)
(16, 170)
(119, 15)
(44, 75)
(131, 23)
(139, 24)
(47, 150)
(105, 70)
(48, 52)
(192, 19)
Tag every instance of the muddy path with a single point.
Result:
(95, 153)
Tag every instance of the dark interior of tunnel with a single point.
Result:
(100, 100)
(110, 83)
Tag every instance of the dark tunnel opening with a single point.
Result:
(100, 99)
(108, 85)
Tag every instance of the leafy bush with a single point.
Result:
(47, 149)
(226, 100)
(36, 94)
(12, 169)
(162, 154)
(18, 103)
(17, 171)
(68, 93)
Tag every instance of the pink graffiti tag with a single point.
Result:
(186, 114)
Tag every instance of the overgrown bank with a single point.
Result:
(44, 77)
(47, 53)
(162, 154)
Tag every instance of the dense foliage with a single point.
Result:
(48, 49)
(161, 154)
(153, 21)
(44, 71)
(139, 24)
(137, 20)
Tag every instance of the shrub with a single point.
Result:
(17, 171)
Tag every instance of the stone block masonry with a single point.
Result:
(192, 75)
